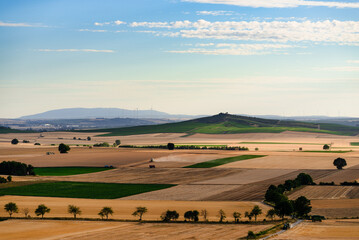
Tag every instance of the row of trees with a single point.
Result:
(169, 215)
(5, 180)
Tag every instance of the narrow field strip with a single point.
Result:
(82, 190)
(66, 171)
(221, 161)
(280, 143)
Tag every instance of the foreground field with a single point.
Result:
(34, 229)
(328, 229)
(123, 209)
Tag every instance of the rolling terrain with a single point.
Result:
(225, 123)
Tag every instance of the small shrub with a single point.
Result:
(37, 144)
(326, 147)
(9, 178)
(25, 141)
(170, 146)
(14, 141)
(63, 148)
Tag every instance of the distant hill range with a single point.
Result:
(225, 123)
(86, 113)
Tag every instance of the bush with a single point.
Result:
(63, 148)
(9, 178)
(104, 144)
(192, 215)
(326, 147)
(38, 144)
(326, 183)
(25, 141)
(170, 146)
(355, 183)
(169, 215)
(118, 142)
(88, 138)
(14, 141)
(2, 180)
(16, 168)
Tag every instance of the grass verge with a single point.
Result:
(354, 144)
(65, 171)
(82, 189)
(221, 161)
(328, 151)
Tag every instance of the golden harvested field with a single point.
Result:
(328, 229)
(327, 192)
(336, 208)
(123, 209)
(339, 176)
(45, 229)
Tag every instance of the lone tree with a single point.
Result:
(192, 215)
(25, 211)
(118, 142)
(170, 146)
(14, 141)
(251, 235)
(139, 212)
(41, 210)
(169, 215)
(105, 211)
(270, 214)
(302, 206)
(11, 208)
(283, 208)
(221, 215)
(248, 215)
(88, 138)
(256, 211)
(72, 209)
(236, 216)
(63, 148)
(340, 163)
(204, 214)
(326, 147)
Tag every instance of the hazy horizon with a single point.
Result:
(194, 57)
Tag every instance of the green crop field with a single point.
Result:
(354, 144)
(221, 161)
(65, 171)
(82, 190)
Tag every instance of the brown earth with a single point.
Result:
(51, 229)
(328, 229)
(326, 192)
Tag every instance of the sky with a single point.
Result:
(281, 57)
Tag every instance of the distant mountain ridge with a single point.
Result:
(85, 113)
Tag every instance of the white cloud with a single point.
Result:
(279, 3)
(340, 32)
(117, 22)
(75, 50)
(353, 61)
(239, 49)
(215, 13)
(7, 24)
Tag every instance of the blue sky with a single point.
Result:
(286, 57)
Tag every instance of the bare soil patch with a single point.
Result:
(336, 208)
(339, 176)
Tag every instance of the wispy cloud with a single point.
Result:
(76, 50)
(215, 13)
(279, 3)
(339, 69)
(341, 32)
(353, 61)
(238, 49)
(8, 24)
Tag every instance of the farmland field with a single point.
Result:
(222, 161)
(64, 171)
(82, 189)
(70, 230)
